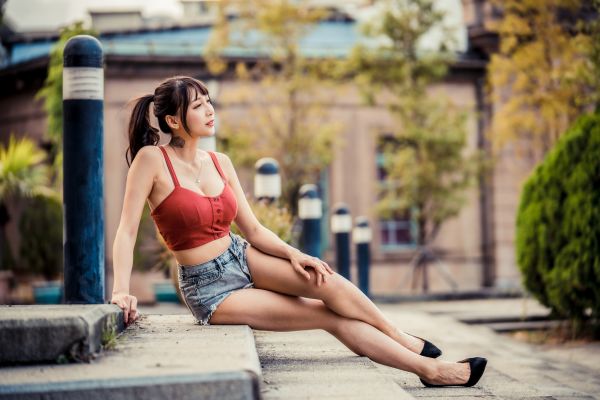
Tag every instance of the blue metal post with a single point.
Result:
(341, 225)
(83, 198)
(267, 181)
(362, 237)
(310, 212)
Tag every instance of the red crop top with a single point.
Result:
(186, 219)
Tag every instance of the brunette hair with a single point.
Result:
(171, 97)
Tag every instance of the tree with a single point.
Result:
(22, 175)
(558, 225)
(541, 78)
(51, 93)
(286, 117)
(428, 169)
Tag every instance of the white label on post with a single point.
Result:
(83, 83)
(267, 185)
(341, 223)
(361, 235)
(310, 208)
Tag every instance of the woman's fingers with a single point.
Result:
(125, 308)
(301, 270)
(327, 267)
(133, 309)
(128, 304)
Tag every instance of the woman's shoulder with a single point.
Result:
(225, 163)
(149, 152)
(148, 156)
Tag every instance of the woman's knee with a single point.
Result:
(333, 286)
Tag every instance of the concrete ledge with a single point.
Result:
(160, 356)
(218, 385)
(40, 333)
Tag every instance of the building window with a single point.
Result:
(399, 231)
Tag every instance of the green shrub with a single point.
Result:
(41, 228)
(558, 225)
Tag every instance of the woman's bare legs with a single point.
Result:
(338, 294)
(266, 310)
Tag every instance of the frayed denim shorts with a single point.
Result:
(204, 286)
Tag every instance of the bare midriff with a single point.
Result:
(204, 253)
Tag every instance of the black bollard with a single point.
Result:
(267, 181)
(361, 236)
(310, 212)
(341, 225)
(83, 166)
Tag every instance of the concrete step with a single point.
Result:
(501, 327)
(315, 365)
(160, 356)
(51, 333)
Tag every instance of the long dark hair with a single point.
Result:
(171, 97)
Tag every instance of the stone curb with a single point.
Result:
(41, 334)
(159, 356)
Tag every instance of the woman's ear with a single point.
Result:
(172, 122)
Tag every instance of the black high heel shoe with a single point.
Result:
(429, 349)
(477, 365)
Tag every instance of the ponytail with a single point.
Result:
(141, 133)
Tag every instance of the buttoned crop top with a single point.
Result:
(186, 219)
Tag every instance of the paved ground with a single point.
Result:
(313, 364)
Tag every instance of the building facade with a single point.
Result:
(475, 249)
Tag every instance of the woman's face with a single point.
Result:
(201, 116)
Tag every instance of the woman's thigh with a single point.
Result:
(277, 274)
(266, 310)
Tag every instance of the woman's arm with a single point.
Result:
(261, 237)
(140, 179)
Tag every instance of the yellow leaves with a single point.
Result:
(538, 82)
(21, 170)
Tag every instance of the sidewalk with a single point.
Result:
(515, 370)
(313, 365)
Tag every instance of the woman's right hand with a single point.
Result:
(128, 304)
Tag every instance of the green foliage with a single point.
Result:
(41, 228)
(558, 225)
(428, 168)
(276, 219)
(22, 175)
(51, 93)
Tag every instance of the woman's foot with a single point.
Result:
(414, 343)
(428, 349)
(463, 373)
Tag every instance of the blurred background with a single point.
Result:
(426, 117)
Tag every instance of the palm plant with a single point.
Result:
(22, 175)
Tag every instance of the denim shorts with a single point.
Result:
(204, 286)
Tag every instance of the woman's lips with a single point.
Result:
(211, 123)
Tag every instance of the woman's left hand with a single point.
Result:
(300, 261)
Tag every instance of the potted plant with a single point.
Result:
(22, 176)
(41, 252)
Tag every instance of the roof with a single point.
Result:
(327, 39)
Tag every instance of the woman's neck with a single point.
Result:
(185, 149)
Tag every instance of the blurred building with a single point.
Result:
(477, 247)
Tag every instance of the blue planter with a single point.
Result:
(164, 292)
(48, 292)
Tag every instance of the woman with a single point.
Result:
(194, 196)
